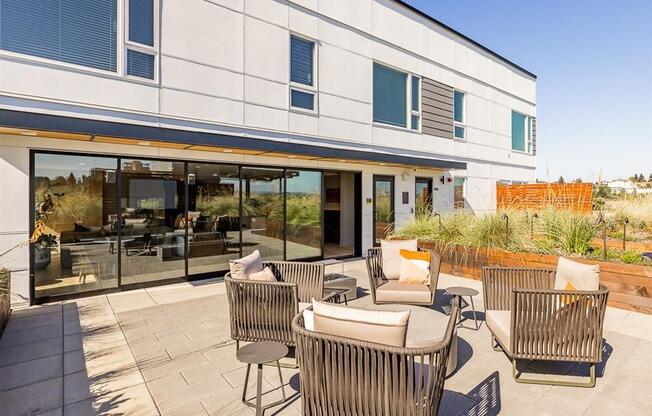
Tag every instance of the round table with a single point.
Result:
(260, 353)
(425, 327)
(460, 292)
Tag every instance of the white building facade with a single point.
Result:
(157, 139)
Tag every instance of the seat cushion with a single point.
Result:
(415, 267)
(242, 268)
(580, 276)
(499, 322)
(392, 256)
(381, 327)
(395, 291)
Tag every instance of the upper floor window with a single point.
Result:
(140, 44)
(521, 132)
(62, 30)
(302, 74)
(392, 99)
(459, 99)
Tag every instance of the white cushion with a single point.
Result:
(499, 322)
(581, 276)
(309, 319)
(265, 275)
(391, 250)
(381, 327)
(242, 268)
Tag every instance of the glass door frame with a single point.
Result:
(382, 178)
(428, 182)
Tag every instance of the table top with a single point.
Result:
(261, 352)
(461, 291)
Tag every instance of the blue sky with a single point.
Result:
(593, 60)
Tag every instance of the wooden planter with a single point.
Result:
(630, 285)
(5, 298)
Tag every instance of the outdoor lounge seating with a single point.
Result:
(529, 319)
(384, 290)
(341, 375)
(263, 311)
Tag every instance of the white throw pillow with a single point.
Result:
(308, 319)
(581, 276)
(266, 275)
(391, 250)
(242, 268)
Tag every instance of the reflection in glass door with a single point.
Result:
(423, 196)
(304, 214)
(383, 205)
(75, 207)
(261, 222)
(214, 217)
(152, 208)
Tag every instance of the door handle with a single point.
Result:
(376, 216)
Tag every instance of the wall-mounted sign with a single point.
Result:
(406, 197)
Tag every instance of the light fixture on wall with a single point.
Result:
(28, 133)
(445, 179)
(405, 176)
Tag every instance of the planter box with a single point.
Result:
(5, 298)
(630, 285)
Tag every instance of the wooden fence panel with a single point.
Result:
(572, 196)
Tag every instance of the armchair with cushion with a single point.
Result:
(386, 289)
(534, 314)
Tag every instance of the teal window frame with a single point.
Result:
(415, 102)
(459, 114)
(301, 83)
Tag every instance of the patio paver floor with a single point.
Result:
(167, 351)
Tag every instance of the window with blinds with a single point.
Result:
(141, 51)
(390, 96)
(302, 74)
(71, 31)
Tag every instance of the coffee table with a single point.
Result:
(260, 353)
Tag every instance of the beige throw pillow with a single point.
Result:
(381, 327)
(579, 275)
(266, 275)
(242, 268)
(392, 257)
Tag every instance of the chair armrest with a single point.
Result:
(563, 325)
(498, 283)
(331, 295)
(374, 262)
(435, 266)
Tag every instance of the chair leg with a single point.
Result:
(518, 377)
(495, 345)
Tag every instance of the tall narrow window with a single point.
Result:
(302, 73)
(141, 51)
(390, 96)
(521, 132)
(458, 188)
(80, 33)
(415, 119)
(458, 112)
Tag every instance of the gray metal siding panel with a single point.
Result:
(534, 135)
(437, 108)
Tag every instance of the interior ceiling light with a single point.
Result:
(28, 133)
(292, 156)
(227, 150)
(143, 143)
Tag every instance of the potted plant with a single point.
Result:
(43, 247)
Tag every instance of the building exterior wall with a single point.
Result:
(223, 67)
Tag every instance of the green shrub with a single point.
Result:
(566, 232)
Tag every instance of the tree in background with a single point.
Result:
(560, 180)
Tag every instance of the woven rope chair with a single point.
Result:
(263, 311)
(377, 277)
(544, 324)
(342, 376)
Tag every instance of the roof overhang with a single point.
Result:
(61, 127)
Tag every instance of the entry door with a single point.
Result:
(423, 196)
(383, 205)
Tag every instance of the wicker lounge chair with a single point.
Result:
(385, 291)
(263, 311)
(529, 320)
(343, 376)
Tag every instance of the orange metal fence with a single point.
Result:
(572, 196)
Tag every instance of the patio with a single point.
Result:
(167, 351)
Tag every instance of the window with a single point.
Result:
(141, 40)
(521, 132)
(458, 202)
(459, 114)
(416, 112)
(391, 99)
(302, 74)
(62, 30)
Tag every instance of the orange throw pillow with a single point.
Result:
(415, 267)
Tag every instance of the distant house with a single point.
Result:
(629, 187)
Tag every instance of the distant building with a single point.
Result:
(627, 186)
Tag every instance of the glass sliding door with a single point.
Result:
(262, 213)
(152, 210)
(383, 204)
(423, 196)
(304, 214)
(214, 217)
(75, 210)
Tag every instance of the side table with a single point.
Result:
(460, 292)
(260, 353)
